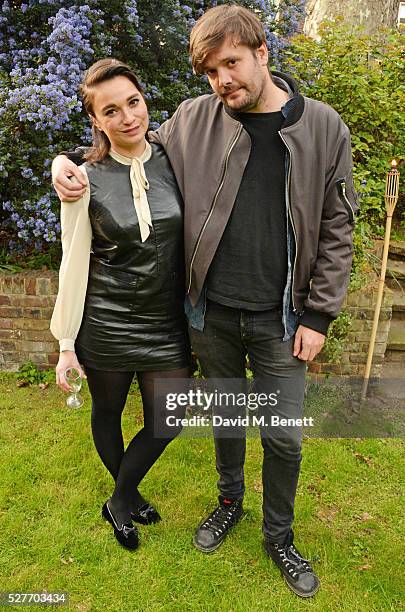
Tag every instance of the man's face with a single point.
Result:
(238, 74)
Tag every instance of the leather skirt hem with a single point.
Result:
(127, 367)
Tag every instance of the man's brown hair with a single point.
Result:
(222, 22)
(101, 71)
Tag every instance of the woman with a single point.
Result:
(119, 309)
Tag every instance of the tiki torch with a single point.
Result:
(391, 197)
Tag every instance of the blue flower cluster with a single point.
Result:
(132, 12)
(290, 19)
(34, 220)
(46, 94)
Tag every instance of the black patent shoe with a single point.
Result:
(214, 529)
(296, 570)
(126, 534)
(146, 515)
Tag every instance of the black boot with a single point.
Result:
(296, 570)
(213, 530)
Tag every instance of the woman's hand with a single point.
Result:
(67, 359)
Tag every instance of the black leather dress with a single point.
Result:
(133, 316)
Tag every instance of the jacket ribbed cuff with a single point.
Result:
(76, 156)
(319, 321)
(66, 345)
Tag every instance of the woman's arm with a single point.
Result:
(73, 277)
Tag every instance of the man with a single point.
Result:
(266, 177)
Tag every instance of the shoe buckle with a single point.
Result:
(127, 530)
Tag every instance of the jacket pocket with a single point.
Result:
(348, 197)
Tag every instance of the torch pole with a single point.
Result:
(391, 197)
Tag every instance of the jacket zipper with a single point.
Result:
(346, 199)
(288, 183)
(213, 202)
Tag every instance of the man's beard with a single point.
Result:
(248, 102)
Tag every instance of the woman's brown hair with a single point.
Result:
(101, 71)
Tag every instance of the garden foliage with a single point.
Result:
(361, 76)
(45, 45)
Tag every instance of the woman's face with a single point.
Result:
(121, 113)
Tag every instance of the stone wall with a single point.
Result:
(27, 299)
(371, 13)
(26, 304)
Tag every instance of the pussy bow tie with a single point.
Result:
(140, 186)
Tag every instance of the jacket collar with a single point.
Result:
(294, 107)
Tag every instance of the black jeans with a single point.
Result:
(229, 335)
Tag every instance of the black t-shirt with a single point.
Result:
(249, 269)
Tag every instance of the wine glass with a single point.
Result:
(74, 380)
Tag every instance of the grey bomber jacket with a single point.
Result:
(208, 149)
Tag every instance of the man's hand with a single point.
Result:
(68, 190)
(308, 343)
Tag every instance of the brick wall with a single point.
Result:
(26, 304)
(361, 305)
(27, 299)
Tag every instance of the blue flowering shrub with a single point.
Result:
(45, 45)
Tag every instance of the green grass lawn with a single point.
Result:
(348, 517)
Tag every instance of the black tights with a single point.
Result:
(109, 392)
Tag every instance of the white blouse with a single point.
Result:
(76, 246)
